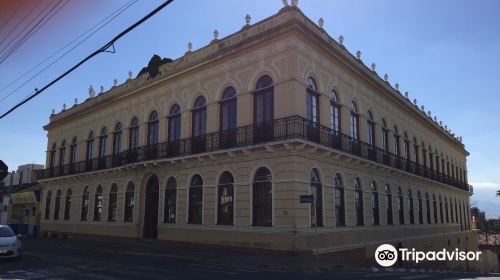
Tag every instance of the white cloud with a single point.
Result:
(485, 185)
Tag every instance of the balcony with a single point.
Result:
(293, 127)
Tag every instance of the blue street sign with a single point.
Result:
(309, 198)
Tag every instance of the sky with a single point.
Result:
(444, 53)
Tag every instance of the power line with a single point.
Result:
(98, 51)
(46, 18)
(35, 29)
(19, 23)
(103, 23)
(6, 22)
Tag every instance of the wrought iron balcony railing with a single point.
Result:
(294, 127)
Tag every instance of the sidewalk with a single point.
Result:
(215, 256)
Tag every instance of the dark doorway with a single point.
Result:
(151, 208)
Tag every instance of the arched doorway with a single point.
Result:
(150, 229)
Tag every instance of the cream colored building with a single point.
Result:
(217, 146)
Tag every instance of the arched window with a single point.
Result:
(47, 205)
(375, 204)
(371, 129)
(98, 204)
(228, 118)
(113, 203)
(90, 151)
(72, 156)
(52, 159)
(262, 198)
(411, 212)
(431, 159)
(358, 202)
(199, 125)
(446, 210)
(401, 208)
(103, 143)
(456, 211)
(385, 136)
(388, 202)
(434, 206)
(195, 200)
(451, 210)
(396, 142)
(312, 101)
(316, 189)
(174, 130)
(170, 201)
(129, 203)
(354, 121)
(441, 209)
(416, 148)
(103, 147)
(339, 201)
(117, 139)
(334, 113)
(67, 205)
(225, 199)
(153, 129)
(263, 110)
(134, 134)
(152, 141)
(406, 148)
(57, 206)
(420, 210)
(62, 157)
(85, 204)
(428, 208)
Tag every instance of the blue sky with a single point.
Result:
(445, 53)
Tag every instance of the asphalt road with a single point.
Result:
(56, 259)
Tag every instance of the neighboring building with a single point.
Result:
(217, 146)
(20, 199)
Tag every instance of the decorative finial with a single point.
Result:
(130, 75)
(422, 108)
(91, 92)
(341, 39)
(415, 101)
(295, 3)
(53, 111)
(216, 35)
(247, 19)
(64, 106)
(446, 127)
(76, 100)
(358, 55)
(285, 3)
(190, 47)
(373, 67)
(435, 119)
(407, 94)
(396, 86)
(102, 89)
(460, 138)
(115, 82)
(386, 77)
(441, 123)
(321, 22)
(429, 113)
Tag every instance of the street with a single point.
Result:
(58, 259)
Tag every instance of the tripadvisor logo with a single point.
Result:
(387, 255)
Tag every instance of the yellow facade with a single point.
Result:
(290, 49)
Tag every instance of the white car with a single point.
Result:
(10, 245)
